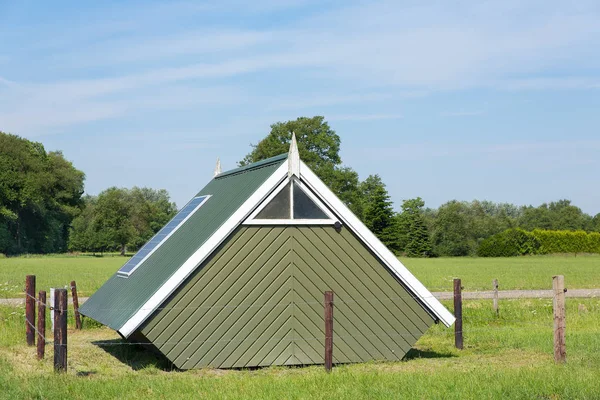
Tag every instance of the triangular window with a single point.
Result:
(279, 207)
(292, 203)
(304, 207)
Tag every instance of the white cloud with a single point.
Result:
(461, 113)
(386, 49)
(363, 117)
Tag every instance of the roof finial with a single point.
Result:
(294, 158)
(218, 167)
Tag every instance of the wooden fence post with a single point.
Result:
(458, 325)
(41, 344)
(328, 330)
(60, 330)
(76, 305)
(52, 299)
(560, 351)
(495, 283)
(30, 309)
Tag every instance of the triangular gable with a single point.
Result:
(261, 198)
(291, 203)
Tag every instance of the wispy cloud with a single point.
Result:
(358, 54)
(461, 113)
(363, 117)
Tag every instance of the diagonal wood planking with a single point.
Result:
(259, 301)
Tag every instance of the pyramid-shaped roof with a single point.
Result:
(122, 296)
(234, 197)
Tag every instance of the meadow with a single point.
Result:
(504, 357)
(532, 272)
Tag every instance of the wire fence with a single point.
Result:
(223, 320)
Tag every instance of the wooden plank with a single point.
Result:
(206, 275)
(412, 312)
(238, 295)
(180, 315)
(368, 288)
(41, 344)
(30, 309)
(360, 338)
(458, 325)
(369, 326)
(239, 290)
(60, 330)
(328, 302)
(560, 350)
(495, 286)
(76, 305)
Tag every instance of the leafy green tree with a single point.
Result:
(120, 219)
(450, 236)
(113, 217)
(318, 144)
(40, 194)
(413, 232)
(595, 223)
(319, 148)
(557, 215)
(151, 210)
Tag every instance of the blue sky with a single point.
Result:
(496, 100)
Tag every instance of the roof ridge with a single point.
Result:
(259, 164)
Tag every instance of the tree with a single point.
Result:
(319, 148)
(450, 235)
(113, 217)
(40, 194)
(120, 219)
(378, 212)
(151, 210)
(318, 144)
(413, 232)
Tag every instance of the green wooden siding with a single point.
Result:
(259, 301)
(119, 299)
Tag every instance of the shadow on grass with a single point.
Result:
(136, 356)
(415, 353)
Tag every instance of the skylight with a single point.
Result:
(150, 247)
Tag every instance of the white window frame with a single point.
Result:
(252, 220)
(128, 274)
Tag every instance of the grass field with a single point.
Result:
(532, 272)
(90, 273)
(506, 357)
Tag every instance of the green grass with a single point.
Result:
(57, 271)
(535, 272)
(506, 357)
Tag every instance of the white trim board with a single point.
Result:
(332, 203)
(203, 252)
(380, 250)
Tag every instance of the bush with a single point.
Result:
(518, 242)
(510, 243)
(2, 255)
(552, 242)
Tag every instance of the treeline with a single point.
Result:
(120, 219)
(40, 194)
(457, 228)
(43, 210)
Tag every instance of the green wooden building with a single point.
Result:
(237, 278)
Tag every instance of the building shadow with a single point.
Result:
(416, 353)
(135, 356)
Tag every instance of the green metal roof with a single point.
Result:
(120, 298)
